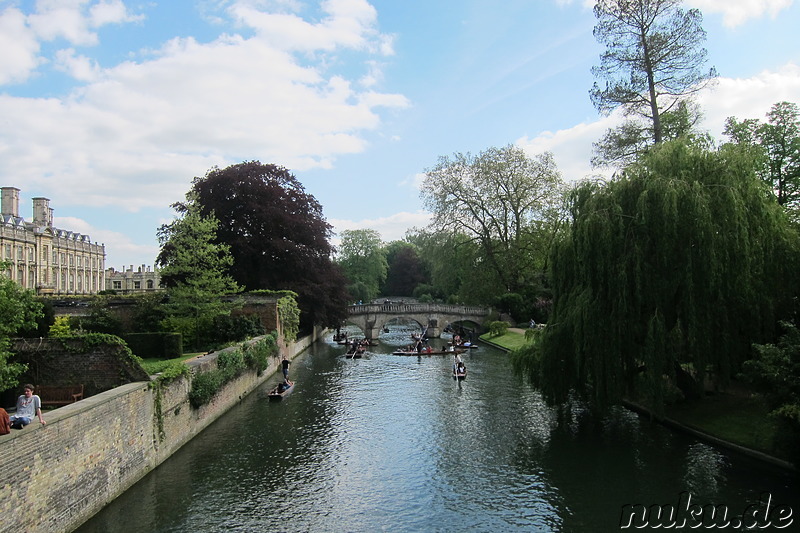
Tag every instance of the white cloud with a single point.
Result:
(741, 97)
(391, 228)
(116, 244)
(349, 24)
(19, 45)
(81, 68)
(749, 97)
(734, 12)
(111, 12)
(737, 12)
(64, 19)
(136, 134)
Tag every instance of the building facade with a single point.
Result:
(46, 259)
(130, 281)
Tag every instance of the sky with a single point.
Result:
(110, 108)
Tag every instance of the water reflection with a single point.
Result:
(393, 443)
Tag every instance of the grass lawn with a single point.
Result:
(153, 365)
(513, 338)
(734, 417)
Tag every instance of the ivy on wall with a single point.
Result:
(230, 364)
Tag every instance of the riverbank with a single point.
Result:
(736, 419)
(92, 451)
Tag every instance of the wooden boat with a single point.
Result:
(356, 352)
(427, 352)
(279, 391)
(348, 342)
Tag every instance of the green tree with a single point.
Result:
(194, 269)
(777, 145)
(18, 310)
(775, 371)
(652, 65)
(277, 235)
(505, 203)
(363, 261)
(670, 271)
(406, 269)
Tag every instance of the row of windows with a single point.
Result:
(150, 284)
(68, 282)
(59, 258)
(9, 252)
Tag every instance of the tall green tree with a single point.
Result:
(667, 275)
(505, 203)
(406, 269)
(363, 260)
(653, 63)
(777, 145)
(18, 310)
(195, 270)
(277, 235)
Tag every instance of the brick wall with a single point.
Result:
(65, 362)
(55, 477)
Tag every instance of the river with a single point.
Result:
(394, 443)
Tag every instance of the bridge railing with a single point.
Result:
(417, 309)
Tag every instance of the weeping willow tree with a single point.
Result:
(667, 276)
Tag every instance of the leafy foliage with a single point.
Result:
(230, 364)
(100, 319)
(775, 371)
(776, 145)
(18, 310)
(498, 328)
(277, 235)
(289, 317)
(363, 261)
(406, 270)
(679, 264)
(204, 386)
(651, 65)
(230, 328)
(194, 269)
(502, 206)
(61, 327)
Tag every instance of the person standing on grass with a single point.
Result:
(28, 406)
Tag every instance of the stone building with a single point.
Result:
(131, 281)
(46, 259)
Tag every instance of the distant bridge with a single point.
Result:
(371, 318)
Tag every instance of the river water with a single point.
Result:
(394, 443)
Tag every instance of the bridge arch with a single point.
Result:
(371, 318)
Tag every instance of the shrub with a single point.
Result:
(60, 327)
(204, 387)
(498, 328)
(230, 364)
(256, 355)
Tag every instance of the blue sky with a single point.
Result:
(110, 108)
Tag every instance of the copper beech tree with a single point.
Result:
(278, 236)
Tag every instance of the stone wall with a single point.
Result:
(55, 477)
(69, 362)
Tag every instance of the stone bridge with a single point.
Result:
(372, 317)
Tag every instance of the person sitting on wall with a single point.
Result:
(28, 406)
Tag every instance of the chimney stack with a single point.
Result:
(42, 214)
(10, 201)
